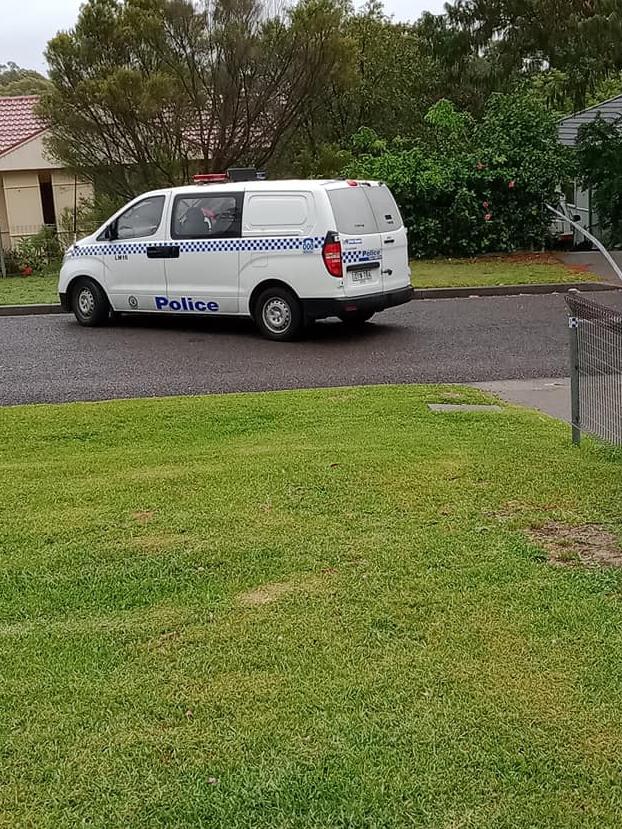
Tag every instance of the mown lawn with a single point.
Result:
(303, 609)
(518, 269)
(29, 290)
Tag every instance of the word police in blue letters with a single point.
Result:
(185, 303)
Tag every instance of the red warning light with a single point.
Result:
(210, 178)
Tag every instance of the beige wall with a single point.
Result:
(21, 212)
(23, 202)
(28, 156)
(64, 185)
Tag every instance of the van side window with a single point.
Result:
(207, 216)
(142, 219)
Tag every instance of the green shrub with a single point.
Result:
(470, 187)
(37, 252)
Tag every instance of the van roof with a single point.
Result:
(251, 186)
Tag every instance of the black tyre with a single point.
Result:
(278, 314)
(89, 303)
(356, 318)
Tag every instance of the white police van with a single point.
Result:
(281, 252)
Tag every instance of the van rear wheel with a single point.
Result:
(355, 318)
(89, 303)
(278, 314)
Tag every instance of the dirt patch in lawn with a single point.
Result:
(587, 544)
(143, 516)
(273, 591)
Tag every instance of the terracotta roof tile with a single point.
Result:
(18, 121)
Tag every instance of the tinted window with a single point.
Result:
(352, 211)
(142, 219)
(206, 216)
(384, 207)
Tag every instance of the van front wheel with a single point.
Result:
(89, 303)
(278, 314)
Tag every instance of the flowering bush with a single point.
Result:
(471, 186)
(34, 254)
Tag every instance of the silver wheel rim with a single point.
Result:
(277, 315)
(86, 302)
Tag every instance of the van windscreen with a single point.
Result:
(352, 211)
(386, 212)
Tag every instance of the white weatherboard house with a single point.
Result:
(34, 189)
(578, 201)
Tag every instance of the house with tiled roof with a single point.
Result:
(35, 190)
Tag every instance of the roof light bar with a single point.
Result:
(209, 178)
(232, 174)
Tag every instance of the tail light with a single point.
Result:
(331, 254)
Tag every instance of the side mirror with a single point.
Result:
(110, 233)
(576, 217)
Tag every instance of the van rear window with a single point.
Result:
(384, 207)
(352, 211)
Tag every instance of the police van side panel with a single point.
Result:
(283, 234)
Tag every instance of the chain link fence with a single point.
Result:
(596, 369)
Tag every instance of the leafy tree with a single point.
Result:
(17, 81)
(388, 85)
(472, 185)
(391, 89)
(146, 91)
(487, 44)
(599, 158)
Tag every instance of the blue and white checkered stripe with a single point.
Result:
(203, 246)
(354, 257)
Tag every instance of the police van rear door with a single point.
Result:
(360, 240)
(393, 236)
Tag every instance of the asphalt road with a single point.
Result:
(53, 359)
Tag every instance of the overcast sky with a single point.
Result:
(26, 27)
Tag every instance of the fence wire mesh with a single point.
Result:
(596, 349)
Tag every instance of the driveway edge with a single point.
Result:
(28, 310)
(513, 290)
(418, 293)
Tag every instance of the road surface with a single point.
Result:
(52, 359)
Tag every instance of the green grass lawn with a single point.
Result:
(29, 290)
(304, 609)
(519, 269)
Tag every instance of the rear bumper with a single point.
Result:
(320, 308)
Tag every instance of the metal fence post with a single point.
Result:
(2, 261)
(575, 414)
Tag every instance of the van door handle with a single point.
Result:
(163, 252)
(389, 241)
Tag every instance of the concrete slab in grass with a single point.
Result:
(550, 395)
(464, 407)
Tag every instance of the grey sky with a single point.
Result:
(26, 27)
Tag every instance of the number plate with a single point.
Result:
(359, 277)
